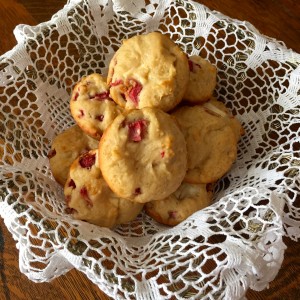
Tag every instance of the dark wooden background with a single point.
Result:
(279, 19)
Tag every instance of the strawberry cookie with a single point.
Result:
(212, 134)
(90, 199)
(202, 80)
(148, 70)
(185, 201)
(66, 147)
(91, 106)
(143, 155)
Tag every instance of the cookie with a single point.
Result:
(91, 107)
(148, 70)
(202, 80)
(185, 201)
(90, 199)
(217, 107)
(143, 155)
(211, 134)
(66, 147)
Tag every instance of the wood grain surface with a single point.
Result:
(279, 19)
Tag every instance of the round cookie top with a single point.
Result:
(202, 80)
(91, 107)
(65, 148)
(211, 134)
(143, 155)
(181, 204)
(89, 197)
(148, 70)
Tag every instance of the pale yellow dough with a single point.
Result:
(212, 134)
(185, 201)
(202, 81)
(148, 70)
(143, 155)
(65, 148)
(90, 198)
(91, 106)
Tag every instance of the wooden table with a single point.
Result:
(279, 19)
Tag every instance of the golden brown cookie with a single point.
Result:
(66, 147)
(202, 81)
(91, 107)
(148, 70)
(143, 155)
(211, 134)
(185, 201)
(89, 197)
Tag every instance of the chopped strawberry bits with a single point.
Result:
(81, 113)
(193, 65)
(134, 90)
(172, 214)
(76, 96)
(51, 153)
(85, 196)
(99, 118)
(130, 90)
(87, 160)
(137, 191)
(137, 130)
(70, 211)
(72, 184)
(101, 96)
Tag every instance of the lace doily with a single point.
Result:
(219, 252)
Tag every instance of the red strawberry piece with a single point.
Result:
(87, 160)
(81, 113)
(137, 191)
(76, 96)
(85, 196)
(117, 82)
(134, 90)
(51, 153)
(101, 96)
(162, 154)
(99, 118)
(137, 130)
(192, 65)
(70, 210)
(172, 214)
(72, 184)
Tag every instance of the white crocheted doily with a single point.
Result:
(219, 252)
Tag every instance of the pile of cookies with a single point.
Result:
(149, 136)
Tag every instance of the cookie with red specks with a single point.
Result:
(212, 134)
(91, 106)
(181, 204)
(66, 147)
(202, 80)
(143, 155)
(90, 199)
(148, 70)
